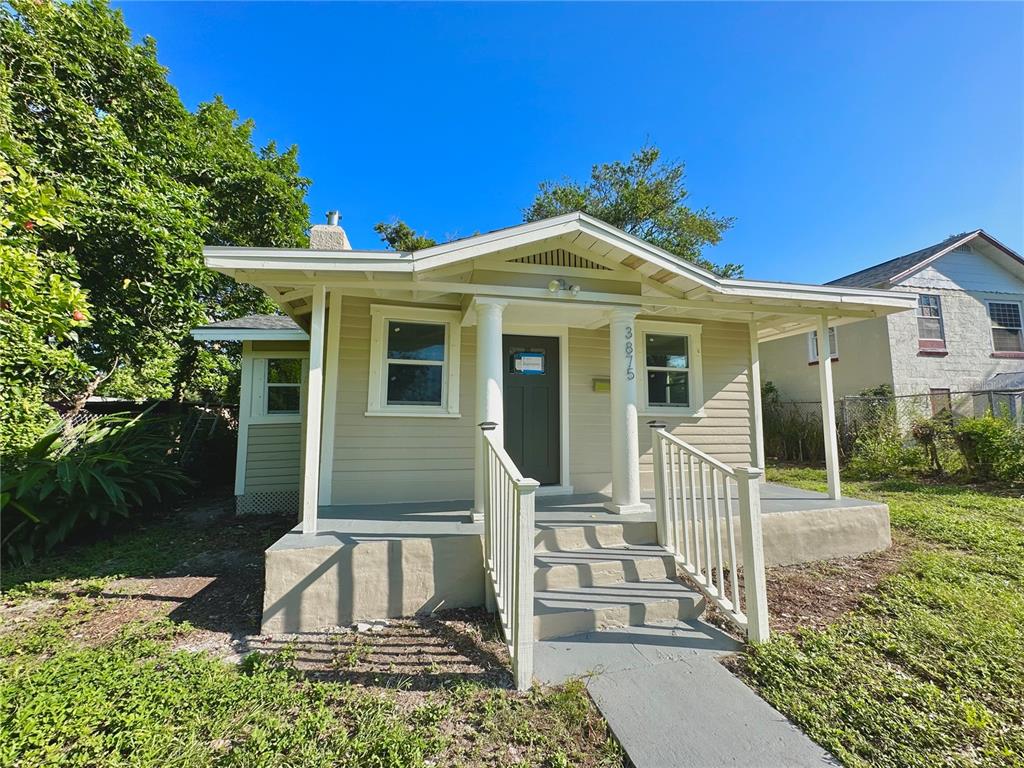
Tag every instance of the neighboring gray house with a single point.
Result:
(966, 334)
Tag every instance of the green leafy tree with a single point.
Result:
(645, 197)
(401, 237)
(148, 182)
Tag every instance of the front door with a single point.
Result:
(532, 419)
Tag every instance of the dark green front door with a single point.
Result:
(532, 419)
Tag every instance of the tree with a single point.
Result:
(147, 183)
(645, 197)
(401, 237)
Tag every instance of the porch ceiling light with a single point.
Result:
(560, 284)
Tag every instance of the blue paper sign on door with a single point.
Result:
(528, 363)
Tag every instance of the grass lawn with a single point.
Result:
(139, 650)
(928, 669)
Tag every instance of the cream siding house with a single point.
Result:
(361, 412)
(965, 334)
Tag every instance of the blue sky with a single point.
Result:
(837, 134)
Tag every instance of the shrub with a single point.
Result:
(73, 478)
(992, 447)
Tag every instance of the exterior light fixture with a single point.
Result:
(560, 284)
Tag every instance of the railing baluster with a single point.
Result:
(684, 517)
(734, 590)
(694, 487)
(705, 511)
(715, 474)
(673, 526)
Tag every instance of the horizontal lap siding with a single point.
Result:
(272, 458)
(394, 459)
(724, 431)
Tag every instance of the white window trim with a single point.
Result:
(812, 345)
(991, 327)
(940, 318)
(258, 388)
(696, 369)
(376, 404)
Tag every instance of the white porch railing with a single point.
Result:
(508, 550)
(694, 505)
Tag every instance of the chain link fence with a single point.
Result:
(793, 429)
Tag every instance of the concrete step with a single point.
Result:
(562, 538)
(603, 566)
(563, 612)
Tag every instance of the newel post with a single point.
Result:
(527, 493)
(658, 456)
(485, 500)
(754, 583)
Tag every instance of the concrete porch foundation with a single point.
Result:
(383, 561)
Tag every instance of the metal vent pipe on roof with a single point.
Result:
(333, 217)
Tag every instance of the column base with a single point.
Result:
(627, 509)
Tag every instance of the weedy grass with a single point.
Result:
(929, 670)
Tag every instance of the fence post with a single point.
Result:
(660, 509)
(527, 492)
(485, 468)
(754, 585)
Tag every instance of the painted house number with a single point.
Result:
(630, 374)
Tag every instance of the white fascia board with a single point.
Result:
(482, 245)
(249, 334)
(833, 296)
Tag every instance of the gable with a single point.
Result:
(966, 269)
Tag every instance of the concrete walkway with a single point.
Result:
(670, 702)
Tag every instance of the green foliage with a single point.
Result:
(928, 671)
(646, 197)
(993, 448)
(791, 432)
(880, 449)
(401, 237)
(146, 183)
(107, 467)
(42, 309)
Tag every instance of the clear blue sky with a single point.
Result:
(837, 134)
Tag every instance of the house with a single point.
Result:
(965, 335)
(434, 417)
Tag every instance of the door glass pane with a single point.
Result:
(282, 399)
(414, 384)
(667, 351)
(670, 388)
(415, 341)
(284, 371)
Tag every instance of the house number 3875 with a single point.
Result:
(630, 374)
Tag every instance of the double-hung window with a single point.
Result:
(670, 356)
(1007, 331)
(930, 331)
(812, 346)
(276, 386)
(414, 367)
(284, 384)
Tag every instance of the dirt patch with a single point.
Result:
(815, 594)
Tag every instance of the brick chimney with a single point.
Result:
(329, 236)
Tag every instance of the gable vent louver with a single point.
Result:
(559, 258)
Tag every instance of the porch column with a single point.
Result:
(624, 419)
(489, 372)
(314, 412)
(828, 410)
(332, 362)
(755, 398)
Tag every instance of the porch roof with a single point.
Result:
(622, 270)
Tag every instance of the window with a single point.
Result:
(1007, 335)
(414, 370)
(812, 345)
(275, 381)
(929, 319)
(671, 376)
(283, 385)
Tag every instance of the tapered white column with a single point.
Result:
(490, 405)
(332, 363)
(314, 412)
(624, 417)
(828, 410)
(757, 416)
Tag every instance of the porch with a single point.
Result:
(384, 560)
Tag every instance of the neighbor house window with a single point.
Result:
(415, 362)
(929, 320)
(284, 385)
(812, 345)
(1007, 334)
(670, 358)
